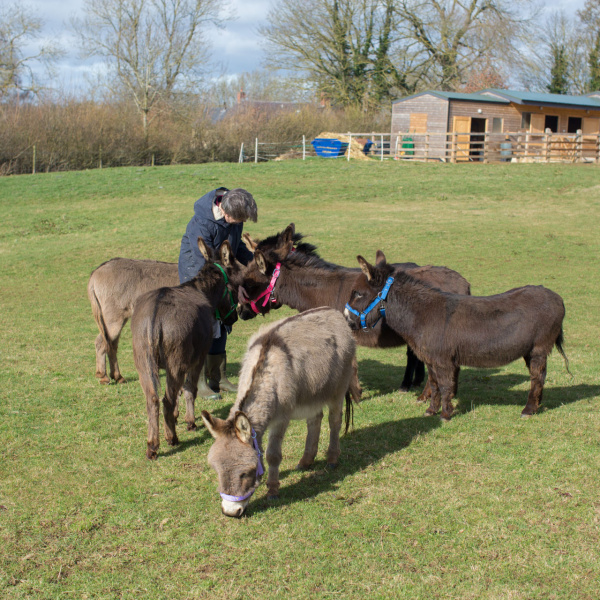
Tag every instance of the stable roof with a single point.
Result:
(498, 96)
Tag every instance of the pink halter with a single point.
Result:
(268, 292)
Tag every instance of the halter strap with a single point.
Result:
(268, 293)
(379, 298)
(259, 472)
(225, 292)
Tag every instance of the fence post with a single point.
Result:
(454, 147)
(33, 170)
(547, 138)
(100, 157)
(255, 150)
(241, 157)
(579, 146)
(597, 157)
(303, 147)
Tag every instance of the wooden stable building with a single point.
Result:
(496, 124)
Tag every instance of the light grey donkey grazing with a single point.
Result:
(292, 368)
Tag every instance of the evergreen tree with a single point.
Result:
(594, 65)
(559, 82)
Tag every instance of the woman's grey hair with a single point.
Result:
(239, 205)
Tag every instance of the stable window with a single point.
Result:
(526, 120)
(497, 125)
(551, 123)
(574, 124)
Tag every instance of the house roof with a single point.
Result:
(511, 96)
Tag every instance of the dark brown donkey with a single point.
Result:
(113, 288)
(448, 331)
(307, 281)
(172, 329)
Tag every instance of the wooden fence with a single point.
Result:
(453, 147)
(498, 147)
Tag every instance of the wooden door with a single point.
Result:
(538, 123)
(590, 130)
(463, 142)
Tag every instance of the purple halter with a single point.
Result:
(259, 472)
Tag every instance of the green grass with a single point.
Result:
(486, 507)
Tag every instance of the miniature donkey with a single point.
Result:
(448, 331)
(172, 329)
(306, 281)
(113, 288)
(292, 368)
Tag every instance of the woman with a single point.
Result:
(218, 216)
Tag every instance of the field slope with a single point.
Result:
(486, 507)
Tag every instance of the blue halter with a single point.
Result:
(379, 298)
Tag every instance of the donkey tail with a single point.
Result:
(349, 416)
(559, 346)
(97, 312)
(147, 366)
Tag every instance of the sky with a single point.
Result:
(237, 47)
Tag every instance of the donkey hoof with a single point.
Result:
(173, 442)
(192, 427)
(445, 418)
(104, 380)
(272, 497)
(121, 380)
(430, 413)
(526, 415)
(403, 389)
(151, 454)
(332, 465)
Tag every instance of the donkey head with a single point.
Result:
(260, 276)
(367, 299)
(236, 458)
(224, 267)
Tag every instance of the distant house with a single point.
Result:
(493, 111)
(245, 105)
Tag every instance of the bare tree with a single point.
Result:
(154, 49)
(452, 37)
(18, 28)
(344, 47)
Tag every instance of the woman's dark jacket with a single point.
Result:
(214, 232)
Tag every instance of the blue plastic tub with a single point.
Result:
(329, 148)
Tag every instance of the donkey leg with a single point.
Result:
(419, 373)
(152, 409)
(313, 431)
(170, 409)
(190, 391)
(335, 424)
(276, 434)
(114, 335)
(101, 359)
(426, 393)
(537, 375)
(409, 372)
(447, 383)
(434, 405)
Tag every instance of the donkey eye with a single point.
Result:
(356, 295)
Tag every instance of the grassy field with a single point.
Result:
(486, 507)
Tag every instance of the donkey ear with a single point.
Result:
(261, 262)
(380, 259)
(366, 268)
(250, 243)
(226, 255)
(289, 232)
(206, 251)
(243, 429)
(214, 425)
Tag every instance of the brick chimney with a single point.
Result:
(241, 96)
